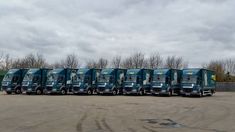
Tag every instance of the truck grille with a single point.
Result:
(188, 90)
(156, 89)
(24, 88)
(76, 88)
(101, 88)
(128, 89)
(49, 88)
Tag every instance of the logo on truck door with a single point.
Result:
(205, 78)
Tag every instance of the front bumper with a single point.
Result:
(7, 89)
(130, 90)
(104, 90)
(79, 90)
(189, 92)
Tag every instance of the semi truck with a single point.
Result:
(111, 81)
(166, 81)
(12, 81)
(35, 81)
(85, 81)
(138, 81)
(198, 82)
(59, 81)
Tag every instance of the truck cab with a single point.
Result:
(111, 81)
(85, 81)
(198, 82)
(138, 81)
(166, 81)
(59, 81)
(35, 81)
(12, 81)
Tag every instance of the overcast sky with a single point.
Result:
(197, 30)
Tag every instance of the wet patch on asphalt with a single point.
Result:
(163, 123)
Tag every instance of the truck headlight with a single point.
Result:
(132, 84)
(161, 84)
(192, 85)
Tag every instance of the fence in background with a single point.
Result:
(225, 86)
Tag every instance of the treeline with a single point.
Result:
(225, 69)
(136, 60)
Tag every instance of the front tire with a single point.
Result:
(38, 92)
(63, 92)
(141, 92)
(170, 93)
(17, 91)
(114, 92)
(89, 92)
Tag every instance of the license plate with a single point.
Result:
(187, 93)
(54, 90)
(81, 90)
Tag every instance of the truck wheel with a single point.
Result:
(9, 92)
(63, 92)
(89, 92)
(201, 94)
(170, 93)
(114, 92)
(141, 92)
(38, 91)
(17, 91)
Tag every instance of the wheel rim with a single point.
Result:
(89, 92)
(63, 92)
(38, 92)
(17, 91)
(114, 92)
(141, 92)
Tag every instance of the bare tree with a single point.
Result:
(169, 63)
(7, 62)
(138, 60)
(175, 62)
(155, 60)
(116, 62)
(71, 61)
(217, 66)
(229, 66)
(127, 63)
(91, 64)
(29, 61)
(102, 63)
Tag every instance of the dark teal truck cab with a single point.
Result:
(12, 81)
(137, 81)
(35, 81)
(111, 81)
(198, 82)
(85, 81)
(59, 81)
(166, 81)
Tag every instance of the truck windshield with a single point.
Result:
(28, 77)
(159, 78)
(52, 77)
(80, 77)
(103, 78)
(8, 77)
(189, 79)
(131, 78)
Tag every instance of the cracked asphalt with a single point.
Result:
(74, 113)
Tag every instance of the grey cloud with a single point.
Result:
(196, 30)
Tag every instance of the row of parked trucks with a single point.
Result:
(114, 81)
